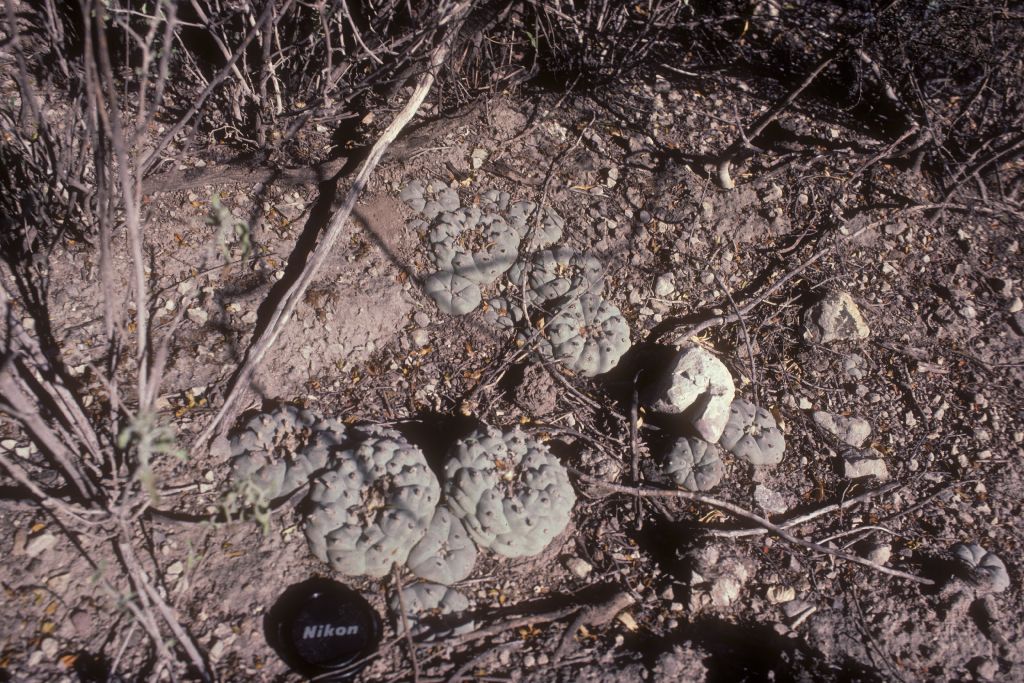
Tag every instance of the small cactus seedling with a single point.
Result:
(446, 554)
(510, 491)
(588, 334)
(504, 313)
(371, 507)
(693, 464)
(751, 434)
(278, 452)
(982, 569)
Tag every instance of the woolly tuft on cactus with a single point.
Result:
(510, 491)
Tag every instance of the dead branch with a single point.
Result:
(282, 314)
(807, 517)
(736, 510)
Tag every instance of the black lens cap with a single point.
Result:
(322, 628)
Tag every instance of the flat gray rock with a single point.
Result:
(857, 464)
(835, 318)
(699, 385)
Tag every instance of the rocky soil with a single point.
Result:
(884, 339)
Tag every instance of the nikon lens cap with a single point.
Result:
(321, 628)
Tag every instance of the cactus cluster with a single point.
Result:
(695, 394)
(472, 246)
(277, 452)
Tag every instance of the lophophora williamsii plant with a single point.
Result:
(273, 454)
(472, 246)
(510, 491)
(752, 434)
(373, 505)
(692, 464)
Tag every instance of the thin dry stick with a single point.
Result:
(282, 314)
(746, 333)
(729, 156)
(404, 616)
(760, 521)
(634, 423)
(507, 625)
(802, 519)
(149, 592)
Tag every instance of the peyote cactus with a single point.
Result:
(278, 452)
(502, 312)
(495, 201)
(751, 434)
(372, 506)
(559, 274)
(477, 246)
(453, 294)
(446, 554)
(588, 334)
(429, 199)
(425, 600)
(693, 464)
(547, 233)
(982, 569)
(510, 491)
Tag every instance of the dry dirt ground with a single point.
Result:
(940, 381)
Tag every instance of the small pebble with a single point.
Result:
(578, 567)
(198, 316)
(49, 648)
(420, 337)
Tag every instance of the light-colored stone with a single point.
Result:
(778, 595)
(198, 316)
(858, 464)
(49, 648)
(770, 500)
(420, 338)
(37, 545)
(698, 385)
(578, 567)
(664, 285)
(835, 318)
(879, 553)
(852, 431)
